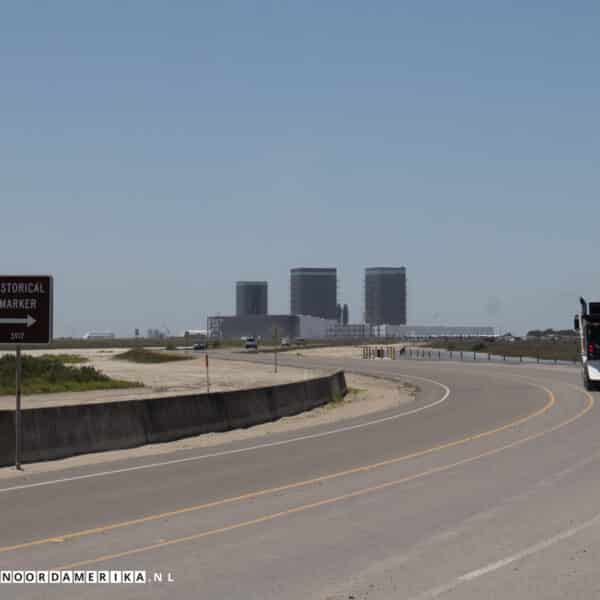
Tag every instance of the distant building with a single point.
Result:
(99, 335)
(433, 331)
(263, 326)
(313, 291)
(410, 331)
(158, 334)
(313, 328)
(354, 330)
(266, 326)
(385, 296)
(195, 333)
(251, 298)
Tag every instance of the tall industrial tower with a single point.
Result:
(313, 291)
(385, 296)
(251, 298)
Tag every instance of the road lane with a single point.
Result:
(422, 491)
(232, 475)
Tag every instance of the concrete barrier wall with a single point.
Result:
(61, 431)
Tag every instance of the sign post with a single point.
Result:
(207, 378)
(26, 317)
(18, 428)
(275, 341)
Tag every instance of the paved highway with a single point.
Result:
(485, 487)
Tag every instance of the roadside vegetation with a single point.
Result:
(552, 333)
(544, 350)
(143, 355)
(48, 374)
(67, 359)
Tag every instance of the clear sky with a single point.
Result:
(153, 153)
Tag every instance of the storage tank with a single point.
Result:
(385, 296)
(313, 291)
(251, 298)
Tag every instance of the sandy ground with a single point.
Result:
(367, 395)
(165, 379)
(332, 352)
(356, 351)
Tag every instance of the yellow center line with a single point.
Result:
(329, 501)
(298, 484)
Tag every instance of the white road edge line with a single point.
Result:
(247, 448)
(495, 566)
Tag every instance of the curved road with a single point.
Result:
(486, 487)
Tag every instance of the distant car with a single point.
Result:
(300, 341)
(250, 343)
(285, 341)
(200, 346)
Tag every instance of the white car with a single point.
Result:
(251, 343)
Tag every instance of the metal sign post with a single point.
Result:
(18, 428)
(26, 317)
(207, 374)
(275, 341)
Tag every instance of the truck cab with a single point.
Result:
(587, 323)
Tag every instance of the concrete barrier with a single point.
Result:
(61, 431)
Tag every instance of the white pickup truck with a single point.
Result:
(587, 323)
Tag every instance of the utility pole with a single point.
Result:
(18, 426)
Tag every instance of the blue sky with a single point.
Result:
(153, 153)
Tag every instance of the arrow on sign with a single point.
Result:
(29, 321)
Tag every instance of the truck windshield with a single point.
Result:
(593, 334)
(593, 341)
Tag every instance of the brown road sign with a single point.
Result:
(26, 311)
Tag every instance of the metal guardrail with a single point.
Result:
(395, 353)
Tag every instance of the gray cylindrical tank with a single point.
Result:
(385, 295)
(313, 291)
(251, 298)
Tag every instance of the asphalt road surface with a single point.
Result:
(487, 486)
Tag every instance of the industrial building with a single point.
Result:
(359, 330)
(349, 330)
(264, 326)
(315, 313)
(433, 331)
(313, 291)
(268, 326)
(99, 335)
(251, 298)
(385, 296)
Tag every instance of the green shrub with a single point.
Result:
(478, 347)
(40, 374)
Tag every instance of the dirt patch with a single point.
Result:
(166, 379)
(332, 352)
